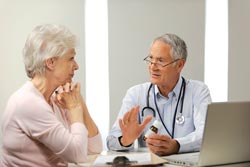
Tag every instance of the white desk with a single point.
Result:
(93, 157)
(169, 165)
(142, 156)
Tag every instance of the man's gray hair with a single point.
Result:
(178, 46)
(46, 41)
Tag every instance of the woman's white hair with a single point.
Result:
(46, 41)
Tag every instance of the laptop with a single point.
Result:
(226, 137)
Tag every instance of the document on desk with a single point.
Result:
(140, 158)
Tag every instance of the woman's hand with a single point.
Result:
(69, 97)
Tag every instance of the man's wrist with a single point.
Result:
(123, 143)
(178, 146)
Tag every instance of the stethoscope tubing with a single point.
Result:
(182, 91)
(181, 95)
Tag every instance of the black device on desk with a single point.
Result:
(121, 161)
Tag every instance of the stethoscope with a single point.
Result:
(179, 119)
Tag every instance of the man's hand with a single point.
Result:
(162, 144)
(130, 127)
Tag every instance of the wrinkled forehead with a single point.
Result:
(160, 49)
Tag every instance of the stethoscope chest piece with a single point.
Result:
(180, 119)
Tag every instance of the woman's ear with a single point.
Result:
(50, 63)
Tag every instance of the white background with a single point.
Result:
(132, 24)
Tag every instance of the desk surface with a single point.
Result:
(93, 157)
(167, 165)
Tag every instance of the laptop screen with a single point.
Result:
(227, 133)
(226, 137)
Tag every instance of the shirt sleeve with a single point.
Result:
(39, 122)
(192, 141)
(129, 101)
(95, 144)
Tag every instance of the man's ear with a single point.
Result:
(50, 63)
(180, 64)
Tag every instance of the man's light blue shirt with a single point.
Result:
(189, 134)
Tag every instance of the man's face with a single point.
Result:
(65, 67)
(163, 76)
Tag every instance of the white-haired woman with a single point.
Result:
(46, 122)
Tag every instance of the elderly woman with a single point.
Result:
(46, 122)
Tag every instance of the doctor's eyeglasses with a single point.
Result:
(158, 62)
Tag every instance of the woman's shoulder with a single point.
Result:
(27, 99)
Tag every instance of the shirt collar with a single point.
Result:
(174, 93)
